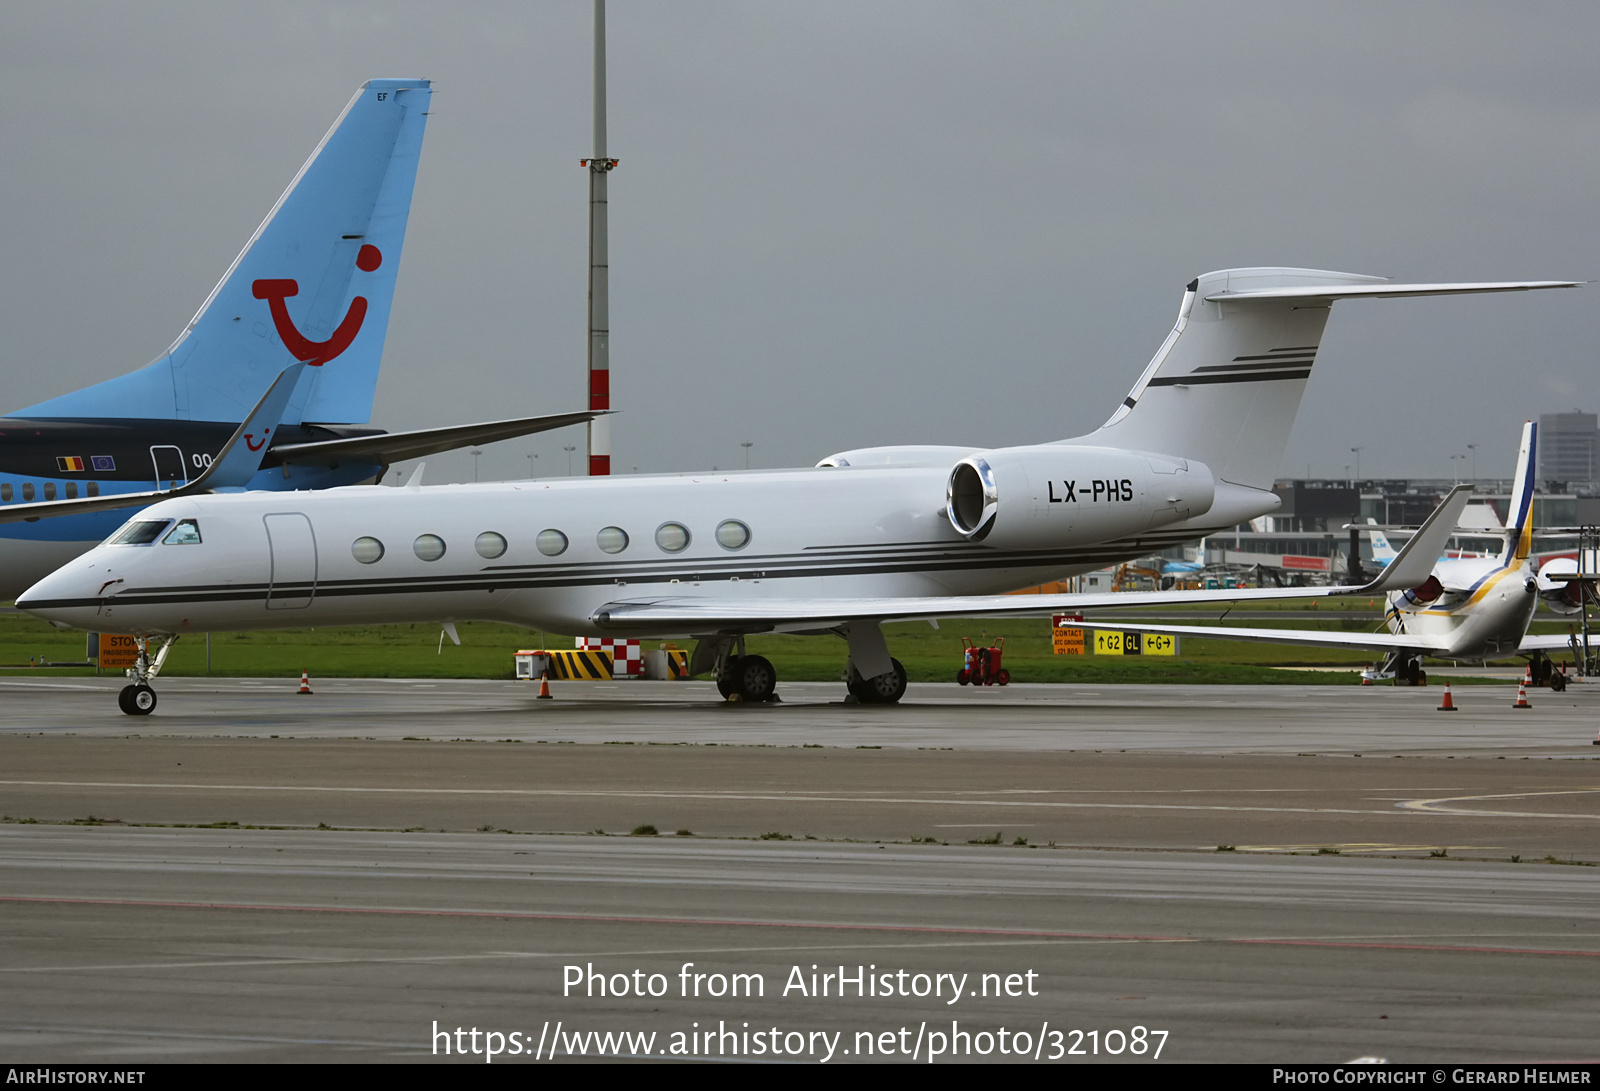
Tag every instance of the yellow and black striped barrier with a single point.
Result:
(581, 665)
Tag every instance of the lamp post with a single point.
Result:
(1357, 452)
(747, 445)
(531, 457)
(475, 455)
(1473, 447)
(569, 448)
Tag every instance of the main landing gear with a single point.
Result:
(1406, 668)
(885, 689)
(1544, 672)
(137, 698)
(752, 678)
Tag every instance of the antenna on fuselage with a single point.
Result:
(599, 268)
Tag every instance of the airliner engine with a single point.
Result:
(1561, 596)
(1055, 494)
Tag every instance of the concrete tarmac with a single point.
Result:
(339, 877)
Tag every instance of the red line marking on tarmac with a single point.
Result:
(514, 914)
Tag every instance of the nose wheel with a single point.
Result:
(137, 700)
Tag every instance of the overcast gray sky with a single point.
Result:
(839, 224)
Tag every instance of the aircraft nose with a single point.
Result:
(71, 594)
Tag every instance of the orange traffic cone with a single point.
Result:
(1522, 698)
(1527, 675)
(544, 687)
(305, 684)
(1448, 705)
(1365, 680)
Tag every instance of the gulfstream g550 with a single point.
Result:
(866, 536)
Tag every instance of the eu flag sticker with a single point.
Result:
(103, 463)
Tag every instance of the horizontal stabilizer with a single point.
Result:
(1386, 290)
(392, 447)
(1414, 563)
(233, 466)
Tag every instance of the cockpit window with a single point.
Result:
(186, 532)
(140, 532)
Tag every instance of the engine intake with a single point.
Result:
(1054, 495)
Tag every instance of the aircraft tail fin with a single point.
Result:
(1519, 517)
(1382, 551)
(1226, 384)
(314, 284)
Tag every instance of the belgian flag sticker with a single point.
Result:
(69, 464)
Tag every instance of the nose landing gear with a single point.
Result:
(137, 698)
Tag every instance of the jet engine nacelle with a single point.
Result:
(1058, 494)
(1561, 596)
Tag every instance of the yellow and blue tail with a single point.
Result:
(1519, 517)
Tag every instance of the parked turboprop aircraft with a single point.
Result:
(868, 536)
(312, 286)
(1469, 609)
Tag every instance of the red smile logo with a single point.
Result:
(316, 353)
(254, 444)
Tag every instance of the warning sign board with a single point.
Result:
(1066, 641)
(117, 652)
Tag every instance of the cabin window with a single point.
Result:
(27, 490)
(187, 532)
(428, 547)
(552, 543)
(490, 545)
(93, 489)
(5, 493)
(367, 550)
(72, 490)
(612, 539)
(140, 532)
(672, 537)
(732, 534)
(49, 490)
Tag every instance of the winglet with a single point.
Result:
(240, 457)
(1414, 563)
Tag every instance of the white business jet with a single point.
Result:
(1469, 609)
(867, 536)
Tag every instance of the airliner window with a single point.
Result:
(72, 490)
(429, 547)
(672, 537)
(367, 550)
(140, 532)
(552, 543)
(5, 493)
(27, 490)
(185, 533)
(94, 488)
(49, 490)
(612, 539)
(490, 545)
(732, 534)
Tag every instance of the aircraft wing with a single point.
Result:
(1410, 567)
(391, 447)
(233, 466)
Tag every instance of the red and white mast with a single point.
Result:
(599, 269)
